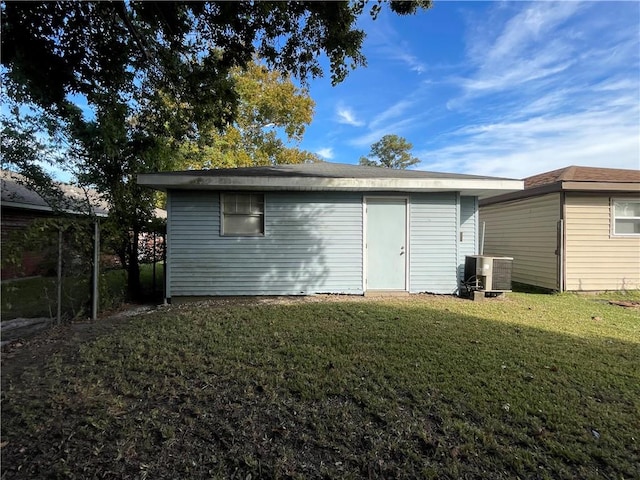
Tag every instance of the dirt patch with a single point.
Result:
(33, 347)
(625, 304)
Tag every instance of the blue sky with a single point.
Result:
(505, 88)
(494, 88)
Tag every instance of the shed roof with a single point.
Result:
(326, 176)
(575, 178)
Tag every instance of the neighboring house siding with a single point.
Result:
(527, 231)
(468, 234)
(596, 260)
(312, 244)
(433, 248)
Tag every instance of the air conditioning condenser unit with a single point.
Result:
(487, 274)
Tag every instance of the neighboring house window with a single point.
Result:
(626, 217)
(242, 214)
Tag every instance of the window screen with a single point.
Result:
(242, 214)
(626, 217)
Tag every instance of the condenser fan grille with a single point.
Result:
(502, 273)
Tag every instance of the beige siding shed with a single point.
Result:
(595, 259)
(527, 230)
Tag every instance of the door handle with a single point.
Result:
(402, 250)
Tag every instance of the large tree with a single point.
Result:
(271, 119)
(54, 49)
(133, 80)
(391, 151)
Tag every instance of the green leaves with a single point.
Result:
(391, 151)
(268, 103)
(55, 49)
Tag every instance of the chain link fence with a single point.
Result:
(47, 269)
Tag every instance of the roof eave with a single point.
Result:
(472, 187)
(43, 208)
(593, 187)
(602, 186)
(27, 206)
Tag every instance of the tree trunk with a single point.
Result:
(122, 256)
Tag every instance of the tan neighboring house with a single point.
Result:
(573, 229)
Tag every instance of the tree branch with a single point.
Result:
(121, 10)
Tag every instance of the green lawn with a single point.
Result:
(531, 386)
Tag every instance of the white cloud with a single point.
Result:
(326, 152)
(558, 85)
(346, 116)
(393, 111)
(396, 128)
(537, 68)
(533, 24)
(546, 86)
(403, 55)
(398, 119)
(601, 138)
(388, 43)
(527, 49)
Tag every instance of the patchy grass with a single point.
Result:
(531, 386)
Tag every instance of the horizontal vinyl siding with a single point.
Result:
(312, 244)
(468, 230)
(596, 260)
(433, 250)
(527, 231)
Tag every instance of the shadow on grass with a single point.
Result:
(526, 288)
(328, 390)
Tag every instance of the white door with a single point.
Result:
(386, 244)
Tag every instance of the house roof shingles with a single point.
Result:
(322, 170)
(583, 174)
(14, 192)
(574, 178)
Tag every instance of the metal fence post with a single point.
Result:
(153, 282)
(59, 311)
(96, 270)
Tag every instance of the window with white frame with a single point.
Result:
(626, 216)
(242, 214)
